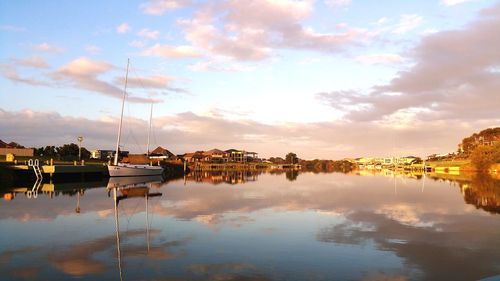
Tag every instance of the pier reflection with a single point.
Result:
(224, 176)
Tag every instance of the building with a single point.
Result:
(162, 153)
(15, 149)
(215, 156)
(235, 155)
(102, 154)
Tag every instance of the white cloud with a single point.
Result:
(167, 51)
(337, 3)
(252, 30)
(92, 49)
(46, 47)
(150, 34)
(159, 7)
(123, 28)
(10, 72)
(137, 44)
(34, 61)
(12, 28)
(407, 23)
(453, 2)
(380, 58)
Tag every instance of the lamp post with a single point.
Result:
(80, 139)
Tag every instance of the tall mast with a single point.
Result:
(150, 124)
(121, 117)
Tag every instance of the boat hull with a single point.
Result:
(134, 170)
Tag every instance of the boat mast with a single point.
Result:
(121, 117)
(150, 124)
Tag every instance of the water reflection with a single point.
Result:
(360, 225)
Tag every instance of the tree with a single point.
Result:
(69, 151)
(291, 158)
(484, 156)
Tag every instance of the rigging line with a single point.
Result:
(144, 88)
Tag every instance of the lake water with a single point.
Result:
(243, 226)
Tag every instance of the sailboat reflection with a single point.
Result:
(132, 187)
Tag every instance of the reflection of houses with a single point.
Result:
(231, 177)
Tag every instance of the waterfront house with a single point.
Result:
(215, 156)
(161, 153)
(103, 154)
(15, 149)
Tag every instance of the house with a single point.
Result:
(215, 156)
(235, 155)
(162, 153)
(15, 149)
(193, 157)
(103, 154)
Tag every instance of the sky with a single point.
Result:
(325, 79)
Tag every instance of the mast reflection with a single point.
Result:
(131, 187)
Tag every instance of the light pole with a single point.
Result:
(80, 139)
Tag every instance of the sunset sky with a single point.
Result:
(325, 79)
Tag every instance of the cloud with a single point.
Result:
(380, 58)
(451, 80)
(167, 51)
(146, 82)
(48, 48)
(337, 3)
(159, 7)
(92, 49)
(184, 132)
(137, 44)
(123, 28)
(149, 34)
(10, 72)
(12, 28)
(252, 30)
(34, 62)
(407, 23)
(453, 2)
(83, 73)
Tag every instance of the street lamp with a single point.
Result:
(80, 139)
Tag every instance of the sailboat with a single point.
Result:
(127, 170)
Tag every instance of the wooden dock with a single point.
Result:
(65, 169)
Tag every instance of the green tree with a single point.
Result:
(68, 151)
(291, 158)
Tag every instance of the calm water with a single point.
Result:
(285, 226)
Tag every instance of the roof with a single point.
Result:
(214, 151)
(161, 151)
(3, 144)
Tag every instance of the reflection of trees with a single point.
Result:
(327, 166)
(483, 192)
(291, 174)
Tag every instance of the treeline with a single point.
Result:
(483, 148)
(67, 152)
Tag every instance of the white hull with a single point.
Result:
(127, 170)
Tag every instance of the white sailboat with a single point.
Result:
(127, 170)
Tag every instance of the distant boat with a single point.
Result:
(127, 170)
